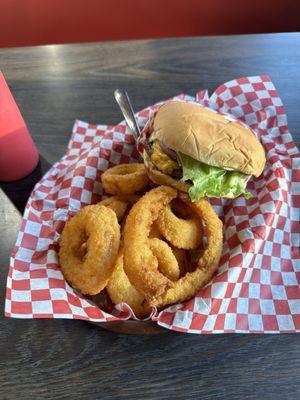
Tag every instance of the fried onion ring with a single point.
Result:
(125, 179)
(167, 262)
(188, 286)
(140, 264)
(120, 290)
(89, 246)
(184, 233)
(119, 204)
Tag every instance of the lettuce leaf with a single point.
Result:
(212, 181)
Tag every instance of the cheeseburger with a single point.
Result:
(201, 152)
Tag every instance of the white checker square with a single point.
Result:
(262, 94)
(289, 278)
(183, 319)
(58, 294)
(20, 275)
(255, 322)
(267, 307)
(24, 254)
(265, 277)
(224, 306)
(254, 290)
(33, 227)
(285, 322)
(247, 87)
(42, 307)
(230, 321)
(218, 290)
(278, 292)
(102, 164)
(78, 181)
(295, 306)
(209, 323)
(242, 306)
(39, 283)
(115, 157)
(285, 251)
(20, 295)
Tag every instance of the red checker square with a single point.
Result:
(29, 241)
(124, 159)
(74, 300)
(248, 246)
(270, 323)
(38, 273)
(21, 266)
(242, 322)
(229, 290)
(276, 278)
(255, 276)
(232, 103)
(93, 312)
(92, 162)
(46, 231)
(292, 292)
(55, 283)
(76, 145)
(282, 307)
(254, 306)
(296, 200)
(66, 184)
(242, 225)
(235, 91)
(280, 110)
(286, 238)
(240, 210)
(273, 93)
(244, 292)
(61, 307)
(247, 108)
(281, 222)
(258, 86)
(286, 265)
(8, 293)
(40, 295)
(265, 292)
(21, 307)
(198, 321)
(88, 139)
(242, 81)
(296, 175)
(80, 130)
(220, 322)
(167, 317)
(266, 262)
(276, 249)
(76, 193)
(23, 284)
(273, 185)
(296, 320)
(215, 306)
(232, 306)
(233, 241)
(251, 96)
(266, 102)
(89, 184)
(295, 226)
(236, 261)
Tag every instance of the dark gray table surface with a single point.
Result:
(61, 359)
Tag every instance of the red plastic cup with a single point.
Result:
(18, 154)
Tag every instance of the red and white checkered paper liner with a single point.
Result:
(256, 288)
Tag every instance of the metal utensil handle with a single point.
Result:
(122, 99)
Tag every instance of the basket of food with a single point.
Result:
(193, 228)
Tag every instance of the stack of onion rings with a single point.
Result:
(138, 248)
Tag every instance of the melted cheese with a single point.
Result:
(161, 160)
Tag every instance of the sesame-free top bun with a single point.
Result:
(209, 137)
